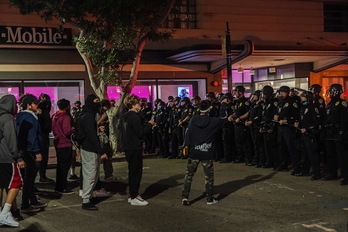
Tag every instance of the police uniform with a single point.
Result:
(176, 131)
(269, 131)
(242, 134)
(336, 138)
(255, 117)
(162, 134)
(288, 110)
(310, 121)
(227, 133)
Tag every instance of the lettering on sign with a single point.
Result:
(10, 35)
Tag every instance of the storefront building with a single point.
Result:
(295, 43)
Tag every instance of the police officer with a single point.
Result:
(215, 105)
(154, 141)
(162, 133)
(288, 114)
(186, 115)
(319, 102)
(174, 129)
(214, 112)
(146, 115)
(227, 129)
(268, 127)
(309, 128)
(195, 103)
(242, 135)
(254, 124)
(336, 134)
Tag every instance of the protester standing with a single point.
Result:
(62, 130)
(10, 159)
(91, 150)
(132, 136)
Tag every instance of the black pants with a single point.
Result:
(135, 171)
(219, 146)
(310, 154)
(44, 153)
(229, 148)
(271, 149)
(176, 140)
(243, 144)
(337, 158)
(29, 174)
(63, 165)
(286, 139)
(259, 153)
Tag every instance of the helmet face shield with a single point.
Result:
(335, 90)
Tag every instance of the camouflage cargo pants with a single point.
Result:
(208, 168)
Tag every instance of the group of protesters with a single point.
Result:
(280, 129)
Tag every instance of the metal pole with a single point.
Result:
(228, 59)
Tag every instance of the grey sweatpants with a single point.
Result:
(90, 163)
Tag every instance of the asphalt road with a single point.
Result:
(250, 199)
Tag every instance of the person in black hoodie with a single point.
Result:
(132, 137)
(200, 138)
(91, 150)
(45, 121)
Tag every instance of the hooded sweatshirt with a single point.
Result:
(88, 126)
(132, 135)
(8, 144)
(61, 128)
(200, 136)
(28, 132)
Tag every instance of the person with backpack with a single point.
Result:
(10, 159)
(91, 150)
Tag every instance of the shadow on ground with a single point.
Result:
(162, 185)
(230, 187)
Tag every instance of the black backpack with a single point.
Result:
(79, 134)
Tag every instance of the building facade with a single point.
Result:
(276, 42)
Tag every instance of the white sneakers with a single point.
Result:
(212, 201)
(138, 201)
(7, 219)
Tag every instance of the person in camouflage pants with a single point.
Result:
(208, 168)
(200, 140)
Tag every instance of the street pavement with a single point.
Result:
(250, 199)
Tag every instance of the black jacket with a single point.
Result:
(200, 136)
(88, 126)
(132, 134)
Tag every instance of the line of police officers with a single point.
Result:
(269, 130)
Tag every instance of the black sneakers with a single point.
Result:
(185, 201)
(89, 206)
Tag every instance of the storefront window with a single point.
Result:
(162, 89)
(9, 88)
(301, 83)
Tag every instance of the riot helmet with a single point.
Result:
(315, 88)
(255, 96)
(240, 89)
(267, 92)
(285, 89)
(307, 94)
(335, 90)
(185, 101)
